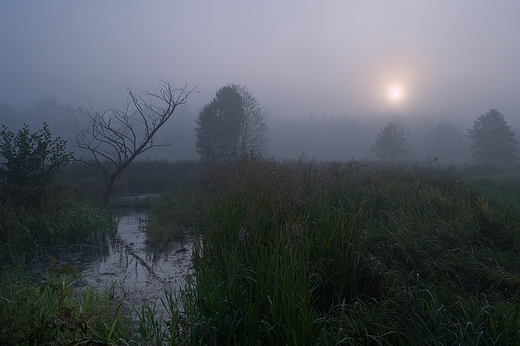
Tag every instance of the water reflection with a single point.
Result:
(127, 263)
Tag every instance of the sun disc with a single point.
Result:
(395, 93)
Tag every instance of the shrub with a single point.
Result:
(28, 163)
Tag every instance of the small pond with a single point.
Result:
(128, 268)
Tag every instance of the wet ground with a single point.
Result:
(128, 269)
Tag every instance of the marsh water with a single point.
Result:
(127, 268)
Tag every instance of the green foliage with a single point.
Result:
(391, 143)
(25, 233)
(231, 126)
(493, 140)
(61, 220)
(28, 162)
(306, 253)
(320, 253)
(52, 312)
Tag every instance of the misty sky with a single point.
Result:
(334, 58)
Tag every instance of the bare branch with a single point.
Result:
(119, 137)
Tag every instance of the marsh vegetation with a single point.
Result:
(349, 253)
(297, 252)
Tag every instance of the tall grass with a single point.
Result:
(499, 188)
(66, 224)
(302, 253)
(53, 312)
(26, 233)
(344, 253)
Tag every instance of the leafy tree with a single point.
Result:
(493, 140)
(29, 161)
(115, 138)
(231, 126)
(391, 143)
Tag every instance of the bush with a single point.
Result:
(28, 163)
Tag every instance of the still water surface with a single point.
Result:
(129, 268)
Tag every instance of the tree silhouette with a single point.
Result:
(231, 126)
(493, 140)
(391, 143)
(115, 138)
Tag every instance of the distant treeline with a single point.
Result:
(323, 138)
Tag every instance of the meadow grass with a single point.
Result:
(500, 188)
(343, 253)
(296, 253)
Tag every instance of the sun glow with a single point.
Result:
(395, 93)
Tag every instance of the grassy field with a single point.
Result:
(343, 253)
(499, 188)
(293, 253)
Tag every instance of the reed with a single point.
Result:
(319, 253)
(25, 233)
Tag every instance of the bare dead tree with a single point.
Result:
(115, 138)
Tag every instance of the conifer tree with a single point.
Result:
(391, 143)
